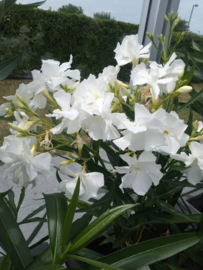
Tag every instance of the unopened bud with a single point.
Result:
(195, 125)
(79, 143)
(199, 138)
(67, 162)
(9, 113)
(16, 128)
(33, 149)
(177, 21)
(21, 100)
(184, 90)
(181, 75)
(125, 92)
(47, 95)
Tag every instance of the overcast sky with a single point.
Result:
(129, 10)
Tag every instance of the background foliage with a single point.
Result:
(64, 34)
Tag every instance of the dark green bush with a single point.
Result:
(90, 41)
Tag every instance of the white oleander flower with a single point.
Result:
(173, 129)
(69, 114)
(154, 77)
(22, 162)
(130, 50)
(144, 133)
(21, 91)
(57, 74)
(89, 183)
(140, 173)
(101, 124)
(110, 73)
(194, 161)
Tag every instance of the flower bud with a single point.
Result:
(9, 113)
(47, 95)
(16, 128)
(181, 75)
(21, 100)
(67, 162)
(79, 143)
(184, 90)
(195, 125)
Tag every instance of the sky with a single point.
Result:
(129, 10)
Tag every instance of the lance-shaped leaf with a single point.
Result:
(52, 267)
(12, 238)
(95, 263)
(56, 206)
(45, 258)
(98, 225)
(70, 214)
(5, 5)
(150, 251)
(8, 66)
(17, 7)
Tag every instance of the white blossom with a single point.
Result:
(130, 50)
(140, 173)
(22, 162)
(89, 183)
(193, 161)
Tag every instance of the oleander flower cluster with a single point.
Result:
(137, 123)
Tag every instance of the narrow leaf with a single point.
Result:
(12, 238)
(5, 262)
(95, 263)
(35, 231)
(52, 267)
(8, 66)
(17, 7)
(36, 211)
(151, 251)
(98, 225)
(70, 215)
(21, 198)
(44, 258)
(191, 100)
(56, 206)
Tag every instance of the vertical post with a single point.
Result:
(152, 21)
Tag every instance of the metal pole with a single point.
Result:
(191, 14)
(153, 21)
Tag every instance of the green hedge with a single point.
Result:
(186, 43)
(90, 41)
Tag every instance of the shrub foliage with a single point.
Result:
(90, 41)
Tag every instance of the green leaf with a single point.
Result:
(170, 209)
(189, 129)
(88, 253)
(151, 251)
(95, 263)
(79, 225)
(51, 267)
(70, 215)
(36, 219)
(21, 198)
(129, 112)
(56, 206)
(5, 193)
(5, 5)
(12, 238)
(192, 100)
(5, 262)
(173, 219)
(36, 211)
(8, 66)
(44, 258)
(17, 7)
(189, 75)
(35, 231)
(197, 46)
(109, 199)
(98, 225)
